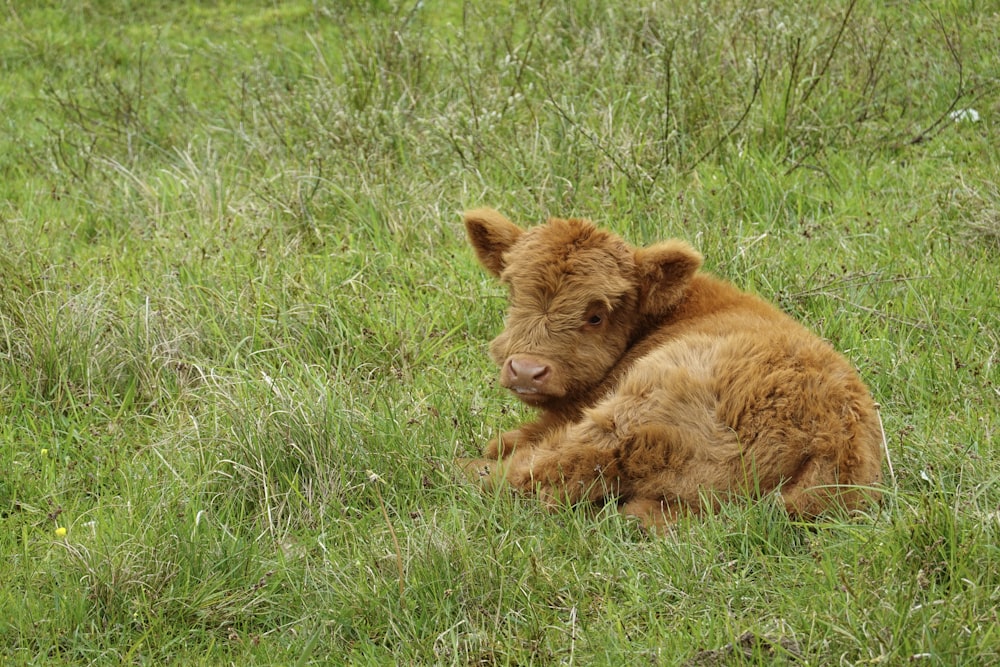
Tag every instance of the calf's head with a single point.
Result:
(579, 296)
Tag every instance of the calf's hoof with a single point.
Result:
(502, 446)
(484, 472)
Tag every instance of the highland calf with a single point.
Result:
(660, 387)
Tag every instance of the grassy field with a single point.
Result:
(242, 336)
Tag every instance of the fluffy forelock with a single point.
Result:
(573, 258)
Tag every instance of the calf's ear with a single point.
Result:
(664, 271)
(491, 235)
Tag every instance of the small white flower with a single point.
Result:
(970, 115)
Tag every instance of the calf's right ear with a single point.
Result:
(491, 235)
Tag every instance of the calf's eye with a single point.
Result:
(594, 320)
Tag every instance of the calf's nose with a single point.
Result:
(526, 373)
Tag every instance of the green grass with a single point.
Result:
(242, 337)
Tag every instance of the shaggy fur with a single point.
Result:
(661, 387)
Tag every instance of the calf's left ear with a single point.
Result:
(491, 235)
(665, 269)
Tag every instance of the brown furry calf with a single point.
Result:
(661, 387)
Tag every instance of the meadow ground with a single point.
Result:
(242, 337)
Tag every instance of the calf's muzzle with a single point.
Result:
(527, 375)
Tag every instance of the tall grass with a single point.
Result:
(241, 337)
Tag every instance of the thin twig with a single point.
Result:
(594, 139)
(961, 90)
(757, 80)
(829, 56)
(792, 80)
(868, 277)
(875, 311)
